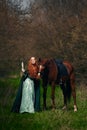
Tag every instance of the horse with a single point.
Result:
(53, 72)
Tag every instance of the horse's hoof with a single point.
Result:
(75, 108)
(53, 109)
(64, 108)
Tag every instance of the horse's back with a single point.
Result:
(62, 70)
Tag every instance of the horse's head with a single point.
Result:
(43, 66)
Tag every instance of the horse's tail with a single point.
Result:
(68, 90)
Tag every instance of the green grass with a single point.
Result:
(45, 120)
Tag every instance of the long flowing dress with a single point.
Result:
(27, 101)
(25, 97)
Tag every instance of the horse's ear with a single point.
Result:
(39, 59)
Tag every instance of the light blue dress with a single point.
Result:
(28, 96)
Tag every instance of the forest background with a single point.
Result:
(43, 28)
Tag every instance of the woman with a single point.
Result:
(24, 101)
(33, 71)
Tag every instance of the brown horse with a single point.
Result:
(58, 72)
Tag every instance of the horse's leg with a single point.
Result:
(64, 96)
(72, 81)
(53, 94)
(44, 97)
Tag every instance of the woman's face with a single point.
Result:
(33, 61)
